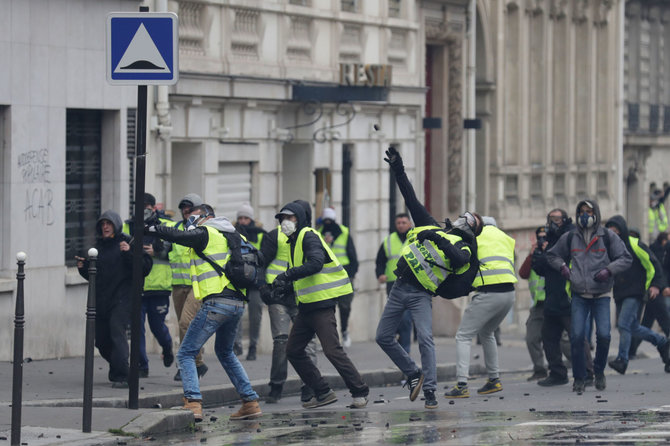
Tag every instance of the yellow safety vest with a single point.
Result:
(644, 259)
(180, 262)
(257, 243)
(204, 278)
(160, 276)
(280, 263)
(331, 282)
(429, 264)
(339, 245)
(536, 287)
(658, 217)
(392, 248)
(495, 251)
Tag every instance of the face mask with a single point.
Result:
(192, 222)
(552, 227)
(586, 220)
(288, 227)
(148, 214)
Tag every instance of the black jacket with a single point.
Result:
(250, 231)
(314, 255)
(114, 268)
(631, 283)
(556, 302)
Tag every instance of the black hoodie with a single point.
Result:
(114, 268)
(314, 254)
(631, 282)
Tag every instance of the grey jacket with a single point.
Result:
(587, 258)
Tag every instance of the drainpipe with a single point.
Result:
(621, 104)
(472, 107)
(163, 130)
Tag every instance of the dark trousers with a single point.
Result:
(655, 310)
(323, 324)
(155, 308)
(344, 304)
(552, 331)
(111, 341)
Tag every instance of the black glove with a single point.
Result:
(281, 281)
(428, 234)
(265, 291)
(395, 160)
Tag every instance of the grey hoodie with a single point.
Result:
(588, 255)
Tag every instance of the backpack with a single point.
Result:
(245, 266)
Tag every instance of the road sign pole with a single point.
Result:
(138, 235)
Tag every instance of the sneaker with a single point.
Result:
(663, 350)
(539, 374)
(177, 376)
(460, 390)
(275, 394)
(430, 401)
(194, 406)
(414, 382)
(493, 385)
(202, 369)
(619, 365)
(168, 357)
(251, 354)
(249, 409)
(359, 402)
(321, 400)
(553, 380)
(144, 373)
(601, 383)
(120, 385)
(346, 339)
(578, 386)
(306, 393)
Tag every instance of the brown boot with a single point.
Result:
(194, 406)
(249, 409)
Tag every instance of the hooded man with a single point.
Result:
(211, 240)
(113, 288)
(588, 258)
(644, 277)
(318, 280)
(431, 258)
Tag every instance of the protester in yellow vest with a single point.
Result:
(207, 237)
(186, 306)
(644, 278)
(385, 265)
(319, 280)
(430, 257)
(157, 286)
(657, 216)
(339, 239)
(254, 233)
(494, 296)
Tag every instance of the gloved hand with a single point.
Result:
(603, 275)
(395, 160)
(281, 281)
(265, 291)
(149, 228)
(427, 235)
(565, 272)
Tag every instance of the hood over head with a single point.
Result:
(220, 224)
(298, 211)
(620, 223)
(111, 216)
(593, 204)
(308, 210)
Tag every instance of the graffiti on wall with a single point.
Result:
(35, 170)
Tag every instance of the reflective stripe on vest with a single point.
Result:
(204, 278)
(331, 282)
(536, 287)
(428, 263)
(658, 218)
(280, 262)
(339, 245)
(180, 261)
(392, 247)
(644, 259)
(495, 251)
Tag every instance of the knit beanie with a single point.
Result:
(329, 214)
(245, 211)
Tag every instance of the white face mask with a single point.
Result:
(288, 227)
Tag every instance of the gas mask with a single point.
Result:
(467, 223)
(586, 221)
(192, 222)
(288, 227)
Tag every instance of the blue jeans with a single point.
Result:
(600, 309)
(420, 305)
(155, 307)
(405, 327)
(216, 315)
(629, 326)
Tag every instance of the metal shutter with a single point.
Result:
(233, 188)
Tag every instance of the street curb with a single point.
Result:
(163, 422)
